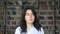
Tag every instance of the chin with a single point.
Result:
(30, 22)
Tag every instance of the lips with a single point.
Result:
(30, 19)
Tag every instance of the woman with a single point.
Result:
(29, 23)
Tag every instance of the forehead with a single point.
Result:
(29, 11)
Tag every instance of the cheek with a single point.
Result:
(33, 18)
(26, 18)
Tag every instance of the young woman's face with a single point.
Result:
(29, 16)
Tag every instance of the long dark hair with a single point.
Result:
(23, 22)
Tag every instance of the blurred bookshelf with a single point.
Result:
(10, 14)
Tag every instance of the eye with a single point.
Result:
(27, 14)
(32, 14)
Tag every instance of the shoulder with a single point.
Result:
(18, 30)
(41, 30)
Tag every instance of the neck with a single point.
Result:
(29, 26)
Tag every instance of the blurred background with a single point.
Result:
(47, 10)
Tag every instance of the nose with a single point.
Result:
(30, 16)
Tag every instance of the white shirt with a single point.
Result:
(33, 30)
